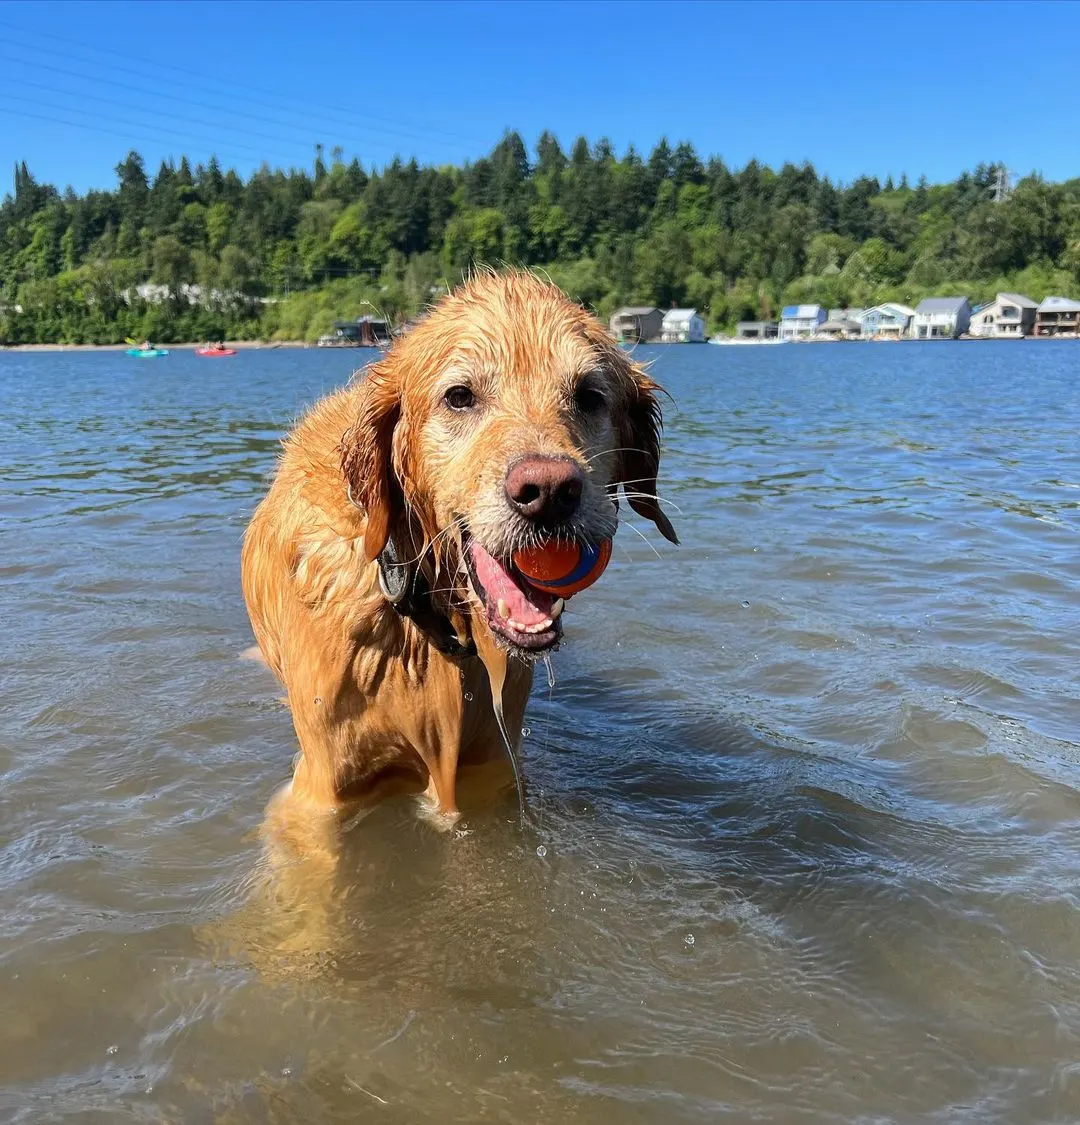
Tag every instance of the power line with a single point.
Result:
(125, 133)
(256, 152)
(389, 125)
(308, 144)
(280, 106)
(143, 90)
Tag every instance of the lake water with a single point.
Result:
(804, 832)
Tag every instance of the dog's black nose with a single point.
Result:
(545, 489)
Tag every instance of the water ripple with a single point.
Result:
(803, 802)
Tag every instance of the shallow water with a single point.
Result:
(804, 840)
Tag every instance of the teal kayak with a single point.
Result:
(147, 353)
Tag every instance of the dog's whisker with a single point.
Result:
(417, 559)
(637, 531)
(649, 496)
(631, 480)
(614, 449)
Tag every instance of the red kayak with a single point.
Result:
(215, 351)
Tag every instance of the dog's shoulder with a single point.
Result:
(307, 519)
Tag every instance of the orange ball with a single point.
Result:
(564, 568)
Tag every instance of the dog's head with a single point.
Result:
(504, 419)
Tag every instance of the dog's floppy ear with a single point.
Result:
(640, 455)
(367, 455)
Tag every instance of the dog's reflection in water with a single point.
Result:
(330, 890)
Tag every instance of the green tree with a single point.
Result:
(172, 265)
(323, 240)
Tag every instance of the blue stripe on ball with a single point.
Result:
(589, 555)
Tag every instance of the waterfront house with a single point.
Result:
(756, 330)
(1010, 316)
(890, 321)
(682, 326)
(839, 327)
(800, 321)
(845, 314)
(364, 332)
(941, 318)
(1058, 316)
(636, 324)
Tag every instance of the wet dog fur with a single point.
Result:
(376, 707)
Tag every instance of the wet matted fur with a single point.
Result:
(376, 707)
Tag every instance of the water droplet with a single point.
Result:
(468, 697)
(112, 1050)
(689, 939)
(746, 605)
(525, 732)
(550, 671)
(541, 851)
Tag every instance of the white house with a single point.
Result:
(1010, 316)
(682, 326)
(154, 294)
(800, 321)
(941, 318)
(890, 321)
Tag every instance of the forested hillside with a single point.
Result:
(284, 253)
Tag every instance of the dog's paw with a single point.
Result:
(431, 812)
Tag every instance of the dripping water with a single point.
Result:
(497, 706)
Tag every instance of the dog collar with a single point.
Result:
(407, 589)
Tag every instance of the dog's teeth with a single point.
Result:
(504, 610)
(557, 606)
(540, 626)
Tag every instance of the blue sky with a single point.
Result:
(882, 88)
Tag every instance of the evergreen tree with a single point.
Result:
(330, 240)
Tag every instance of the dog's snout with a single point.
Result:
(545, 489)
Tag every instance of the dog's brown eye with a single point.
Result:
(589, 400)
(459, 398)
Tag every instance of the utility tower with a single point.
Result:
(1002, 187)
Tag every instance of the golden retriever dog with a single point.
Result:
(378, 569)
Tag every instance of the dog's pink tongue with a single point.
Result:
(525, 605)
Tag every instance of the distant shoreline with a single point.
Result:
(246, 345)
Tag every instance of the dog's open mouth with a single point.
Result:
(525, 617)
